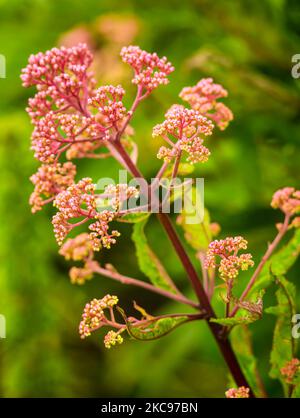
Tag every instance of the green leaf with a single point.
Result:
(250, 311)
(242, 344)
(152, 329)
(148, 261)
(279, 263)
(134, 218)
(236, 320)
(198, 233)
(283, 348)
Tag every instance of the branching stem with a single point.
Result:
(135, 282)
(216, 329)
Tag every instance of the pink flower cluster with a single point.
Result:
(55, 133)
(79, 201)
(70, 202)
(45, 139)
(39, 106)
(119, 193)
(100, 230)
(70, 116)
(290, 370)
(287, 200)
(203, 97)
(78, 248)
(79, 275)
(241, 392)
(93, 316)
(184, 125)
(62, 78)
(49, 181)
(112, 338)
(108, 102)
(150, 70)
(230, 262)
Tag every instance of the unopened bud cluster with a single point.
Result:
(291, 370)
(150, 70)
(185, 127)
(230, 262)
(93, 316)
(241, 392)
(204, 96)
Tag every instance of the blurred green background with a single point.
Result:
(246, 46)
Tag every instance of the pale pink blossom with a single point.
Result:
(63, 77)
(93, 316)
(108, 102)
(77, 200)
(203, 97)
(78, 248)
(290, 370)
(185, 127)
(56, 132)
(119, 193)
(150, 70)
(112, 338)
(49, 181)
(100, 229)
(287, 200)
(241, 392)
(79, 275)
(181, 122)
(80, 201)
(230, 262)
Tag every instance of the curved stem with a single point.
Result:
(83, 221)
(173, 176)
(160, 173)
(135, 104)
(135, 282)
(206, 284)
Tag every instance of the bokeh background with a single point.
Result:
(246, 46)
